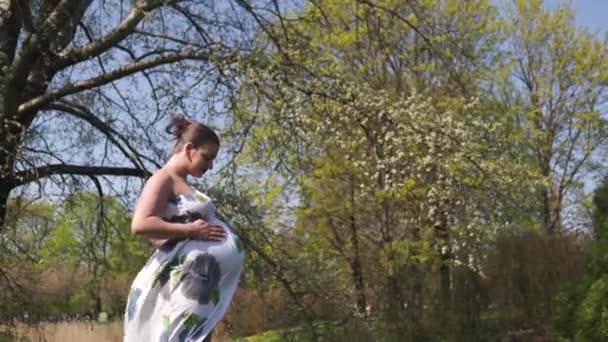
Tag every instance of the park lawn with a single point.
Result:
(328, 331)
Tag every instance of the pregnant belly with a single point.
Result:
(225, 252)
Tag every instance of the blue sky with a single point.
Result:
(589, 13)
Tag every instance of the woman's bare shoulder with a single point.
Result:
(160, 181)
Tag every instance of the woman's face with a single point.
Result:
(201, 158)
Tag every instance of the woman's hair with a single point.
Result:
(186, 131)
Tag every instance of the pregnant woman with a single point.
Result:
(185, 288)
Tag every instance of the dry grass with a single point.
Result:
(67, 331)
(251, 312)
(77, 331)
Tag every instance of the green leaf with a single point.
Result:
(166, 321)
(239, 244)
(215, 295)
(201, 198)
(193, 321)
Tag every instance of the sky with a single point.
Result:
(589, 13)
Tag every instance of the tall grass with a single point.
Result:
(64, 332)
(76, 331)
(251, 313)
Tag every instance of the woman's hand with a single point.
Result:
(202, 230)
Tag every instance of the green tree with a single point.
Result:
(347, 107)
(20, 244)
(581, 306)
(366, 109)
(94, 235)
(558, 90)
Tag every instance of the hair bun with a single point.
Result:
(188, 131)
(178, 125)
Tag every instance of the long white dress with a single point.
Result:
(187, 285)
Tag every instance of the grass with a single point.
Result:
(63, 331)
(372, 330)
(75, 331)
(334, 331)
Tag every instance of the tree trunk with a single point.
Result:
(446, 286)
(395, 298)
(416, 290)
(414, 310)
(547, 197)
(4, 192)
(8, 150)
(357, 271)
(444, 308)
(355, 262)
(546, 210)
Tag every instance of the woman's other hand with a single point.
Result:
(202, 230)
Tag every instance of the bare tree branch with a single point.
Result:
(36, 44)
(200, 30)
(36, 103)
(10, 25)
(169, 38)
(31, 175)
(95, 48)
(86, 115)
(26, 15)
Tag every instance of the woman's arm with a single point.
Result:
(147, 218)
